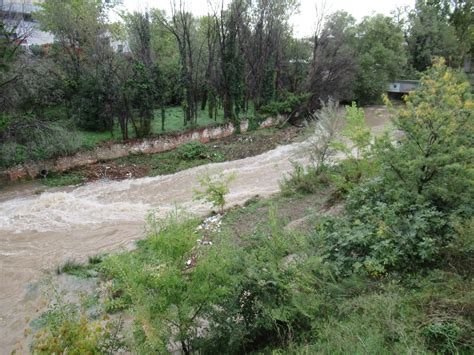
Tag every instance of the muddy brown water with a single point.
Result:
(39, 231)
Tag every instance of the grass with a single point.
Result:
(167, 162)
(64, 179)
(83, 270)
(173, 123)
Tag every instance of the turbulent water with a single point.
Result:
(40, 231)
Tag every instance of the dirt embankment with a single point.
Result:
(226, 149)
(113, 150)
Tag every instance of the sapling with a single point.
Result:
(215, 188)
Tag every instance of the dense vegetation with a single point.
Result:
(391, 272)
(101, 79)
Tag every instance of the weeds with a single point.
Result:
(72, 267)
(215, 190)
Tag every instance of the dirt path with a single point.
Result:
(38, 232)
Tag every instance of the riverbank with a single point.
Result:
(44, 230)
(114, 150)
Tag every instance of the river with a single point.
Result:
(39, 231)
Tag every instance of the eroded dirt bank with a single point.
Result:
(38, 232)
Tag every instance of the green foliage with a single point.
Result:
(401, 219)
(67, 329)
(25, 139)
(278, 293)
(304, 180)
(379, 237)
(192, 151)
(434, 160)
(431, 35)
(356, 145)
(215, 189)
(285, 106)
(7, 48)
(75, 268)
(171, 283)
(381, 57)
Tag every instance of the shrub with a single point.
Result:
(328, 121)
(277, 294)
(356, 145)
(290, 103)
(193, 151)
(434, 159)
(215, 190)
(402, 219)
(170, 284)
(28, 139)
(65, 329)
(377, 237)
(304, 180)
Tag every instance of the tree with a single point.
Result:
(462, 18)
(431, 35)
(228, 26)
(332, 65)
(182, 27)
(263, 42)
(434, 160)
(380, 57)
(83, 52)
(146, 80)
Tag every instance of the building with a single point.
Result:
(18, 14)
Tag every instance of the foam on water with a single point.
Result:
(58, 210)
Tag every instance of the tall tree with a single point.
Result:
(333, 62)
(431, 35)
(268, 33)
(83, 52)
(183, 27)
(381, 57)
(228, 25)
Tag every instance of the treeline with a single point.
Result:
(98, 75)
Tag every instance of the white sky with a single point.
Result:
(303, 22)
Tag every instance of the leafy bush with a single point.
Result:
(25, 139)
(192, 151)
(290, 103)
(356, 145)
(277, 294)
(402, 219)
(215, 190)
(377, 237)
(304, 180)
(170, 284)
(65, 329)
(434, 159)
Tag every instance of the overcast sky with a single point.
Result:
(303, 22)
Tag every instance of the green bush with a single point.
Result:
(66, 329)
(278, 292)
(304, 180)
(169, 283)
(215, 190)
(376, 237)
(193, 151)
(286, 106)
(401, 216)
(25, 140)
